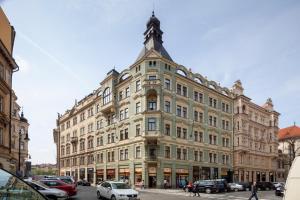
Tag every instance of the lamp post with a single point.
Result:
(21, 132)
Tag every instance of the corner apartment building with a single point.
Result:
(255, 139)
(7, 67)
(154, 121)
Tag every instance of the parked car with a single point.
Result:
(66, 179)
(116, 191)
(69, 188)
(264, 186)
(236, 187)
(210, 186)
(50, 193)
(83, 183)
(246, 185)
(279, 191)
(12, 187)
(277, 184)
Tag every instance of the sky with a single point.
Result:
(65, 48)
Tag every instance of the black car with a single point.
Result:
(279, 191)
(211, 186)
(265, 186)
(83, 183)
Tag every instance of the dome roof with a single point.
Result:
(289, 132)
(22, 118)
(153, 20)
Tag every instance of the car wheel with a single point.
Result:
(113, 198)
(267, 189)
(236, 190)
(52, 197)
(98, 195)
(207, 191)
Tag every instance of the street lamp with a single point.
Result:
(21, 133)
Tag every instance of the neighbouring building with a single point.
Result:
(44, 169)
(19, 142)
(154, 121)
(289, 142)
(7, 67)
(255, 138)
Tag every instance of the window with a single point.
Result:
(90, 112)
(68, 124)
(212, 102)
(179, 89)
(108, 139)
(82, 116)
(196, 116)
(151, 124)
(121, 95)
(200, 156)
(90, 127)
(152, 105)
(127, 92)
(126, 113)
(68, 137)
(179, 132)
(138, 130)
(90, 143)
(82, 131)
(138, 107)
(178, 154)
(184, 154)
(121, 154)
(112, 137)
(167, 129)
(82, 145)
(138, 68)
(106, 96)
(184, 133)
(126, 154)
(126, 134)
(196, 156)
(184, 112)
(97, 108)
(1, 103)
(74, 121)
(167, 84)
(167, 106)
(121, 114)
(167, 152)
(62, 127)
(138, 153)
(99, 124)
(178, 111)
(184, 91)
(138, 85)
(152, 77)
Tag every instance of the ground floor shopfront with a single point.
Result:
(254, 175)
(153, 175)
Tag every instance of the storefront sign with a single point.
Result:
(110, 171)
(152, 170)
(182, 171)
(124, 170)
(100, 171)
(138, 170)
(167, 170)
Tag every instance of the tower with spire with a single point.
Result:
(153, 39)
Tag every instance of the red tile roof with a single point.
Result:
(289, 132)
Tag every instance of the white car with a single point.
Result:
(116, 191)
(235, 187)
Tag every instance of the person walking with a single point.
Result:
(165, 183)
(253, 191)
(196, 189)
(143, 185)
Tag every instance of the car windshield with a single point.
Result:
(120, 186)
(41, 185)
(66, 180)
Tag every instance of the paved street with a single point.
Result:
(89, 193)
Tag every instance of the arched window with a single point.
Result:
(124, 77)
(181, 72)
(198, 80)
(106, 96)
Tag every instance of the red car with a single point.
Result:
(69, 188)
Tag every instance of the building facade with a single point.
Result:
(19, 138)
(7, 67)
(255, 139)
(154, 121)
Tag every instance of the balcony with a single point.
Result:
(148, 82)
(242, 149)
(74, 139)
(108, 107)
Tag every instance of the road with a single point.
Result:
(89, 193)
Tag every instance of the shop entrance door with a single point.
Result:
(152, 181)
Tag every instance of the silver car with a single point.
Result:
(50, 193)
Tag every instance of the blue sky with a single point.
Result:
(64, 49)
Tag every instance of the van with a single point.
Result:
(292, 191)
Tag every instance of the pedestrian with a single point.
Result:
(196, 190)
(190, 188)
(165, 184)
(143, 185)
(253, 191)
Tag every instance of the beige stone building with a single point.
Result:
(154, 121)
(7, 67)
(255, 139)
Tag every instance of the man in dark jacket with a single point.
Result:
(253, 191)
